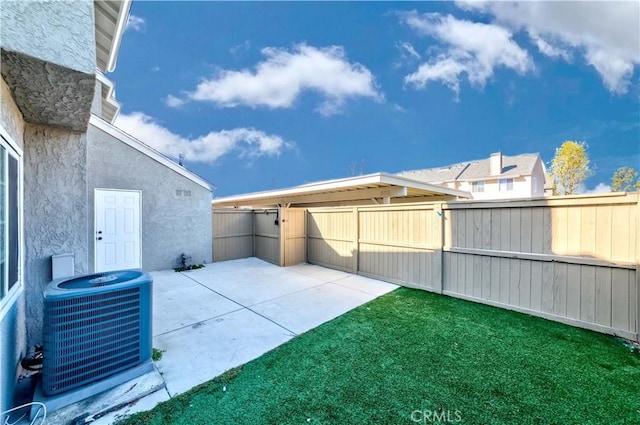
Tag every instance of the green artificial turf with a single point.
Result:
(417, 357)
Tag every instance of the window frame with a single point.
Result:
(503, 185)
(10, 295)
(477, 186)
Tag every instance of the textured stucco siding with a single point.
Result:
(58, 32)
(12, 325)
(55, 211)
(48, 60)
(171, 224)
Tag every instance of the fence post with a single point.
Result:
(253, 232)
(355, 250)
(438, 236)
(282, 239)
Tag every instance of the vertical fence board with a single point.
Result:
(574, 233)
(537, 232)
(620, 299)
(603, 231)
(603, 296)
(574, 297)
(495, 279)
(560, 289)
(588, 294)
(620, 250)
(505, 280)
(514, 282)
(525, 284)
(588, 231)
(486, 278)
(536, 286)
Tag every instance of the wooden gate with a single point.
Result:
(293, 238)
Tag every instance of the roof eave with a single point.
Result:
(110, 23)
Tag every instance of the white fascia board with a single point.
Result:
(333, 185)
(121, 24)
(417, 184)
(147, 150)
(110, 97)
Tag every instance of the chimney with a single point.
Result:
(495, 163)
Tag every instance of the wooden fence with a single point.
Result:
(573, 259)
(232, 234)
(274, 235)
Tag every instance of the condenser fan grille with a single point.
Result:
(91, 336)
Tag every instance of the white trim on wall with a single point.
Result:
(13, 293)
(114, 131)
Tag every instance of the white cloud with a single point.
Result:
(136, 23)
(408, 50)
(244, 46)
(473, 49)
(600, 188)
(606, 34)
(547, 48)
(174, 102)
(246, 142)
(280, 79)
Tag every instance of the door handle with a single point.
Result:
(99, 238)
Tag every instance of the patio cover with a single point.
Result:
(379, 188)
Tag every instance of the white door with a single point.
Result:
(117, 230)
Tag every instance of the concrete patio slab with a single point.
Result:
(364, 284)
(247, 288)
(177, 308)
(304, 310)
(205, 350)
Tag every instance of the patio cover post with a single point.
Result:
(355, 250)
(438, 235)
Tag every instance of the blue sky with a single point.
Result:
(263, 95)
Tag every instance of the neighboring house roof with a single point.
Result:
(147, 150)
(437, 175)
(333, 192)
(512, 166)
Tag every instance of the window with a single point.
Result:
(477, 186)
(10, 255)
(506, 185)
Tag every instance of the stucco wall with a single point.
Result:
(55, 211)
(59, 32)
(171, 224)
(12, 324)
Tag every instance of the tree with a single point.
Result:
(625, 179)
(570, 167)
